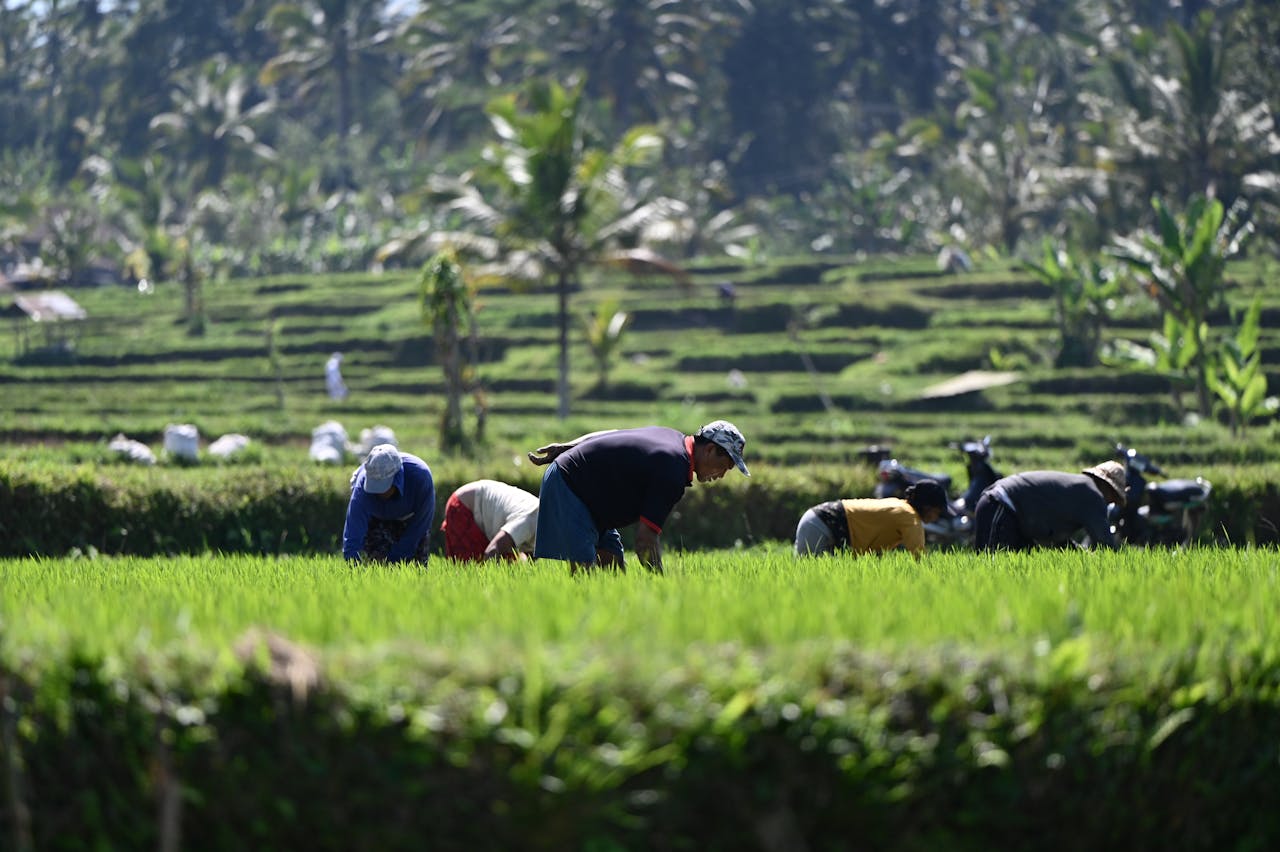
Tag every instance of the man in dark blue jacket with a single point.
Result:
(393, 502)
(1047, 508)
(605, 480)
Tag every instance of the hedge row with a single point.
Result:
(944, 753)
(55, 510)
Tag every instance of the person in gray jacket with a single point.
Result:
(1047, 508)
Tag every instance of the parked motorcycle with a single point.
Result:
(1161, 513)
(981, 473)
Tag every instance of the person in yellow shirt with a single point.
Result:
(873, 524)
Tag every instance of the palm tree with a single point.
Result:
(19, 125)
(446, 302)
(648, 59)
(1019, 81)
(211, 124)
(563, 202)
(1187, 125)
(339, 42)
(569, 202)
(455, 57)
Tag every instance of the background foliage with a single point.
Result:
(290, 136)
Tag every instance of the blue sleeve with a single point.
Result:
(424, 512)
(357, 525)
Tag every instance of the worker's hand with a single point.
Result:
(548, 454)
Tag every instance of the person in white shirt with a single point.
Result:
(487, 519)
(333, 377)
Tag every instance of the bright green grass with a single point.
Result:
(1146, 608)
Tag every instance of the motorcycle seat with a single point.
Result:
(1176, 493)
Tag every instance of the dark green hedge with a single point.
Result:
(56, 510)
(949, 754)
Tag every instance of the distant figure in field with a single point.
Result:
(873, 525)
(392, 505)
(609, 479)
(333, 377)
(487, 519)
(1047, 508)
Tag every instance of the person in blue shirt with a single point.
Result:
(613, 478)
(393, 502)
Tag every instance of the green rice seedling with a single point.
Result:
(1151, 609)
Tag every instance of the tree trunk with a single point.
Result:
(562, 385)
(452, 432)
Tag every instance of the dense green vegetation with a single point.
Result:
(664, 212)
(242, 137)
(747, 700)
(875, 335)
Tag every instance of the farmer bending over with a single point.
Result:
(393, 501)
(1047, 508)
(487, 519)
(605, 480)
(873, 525)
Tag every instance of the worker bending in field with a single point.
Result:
(1048, 508)
(605, 480)
(392, 505)
(873, 525)
(487, 519)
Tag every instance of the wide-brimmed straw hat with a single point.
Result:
(1111, 474)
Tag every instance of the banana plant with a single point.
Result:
(1182, 266)
(1084, 293)
(605, 329)
(1237, 378)
(1169, 354)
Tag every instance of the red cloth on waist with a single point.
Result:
(463, 538)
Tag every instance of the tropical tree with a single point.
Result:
(562, 202)
(211, 125)
(342, 43)
(1182, 266)
(647, 59)
(446, 300)
(569, 201)
(1013, 155)
(783, 72)
(1083, 293)
(18, 59)
(455, 56)
(1184, 120)
(74, 56)
(605, 329)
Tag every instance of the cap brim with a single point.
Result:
(740, 465)
(378, 486)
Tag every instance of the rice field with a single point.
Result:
(1142, 609)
